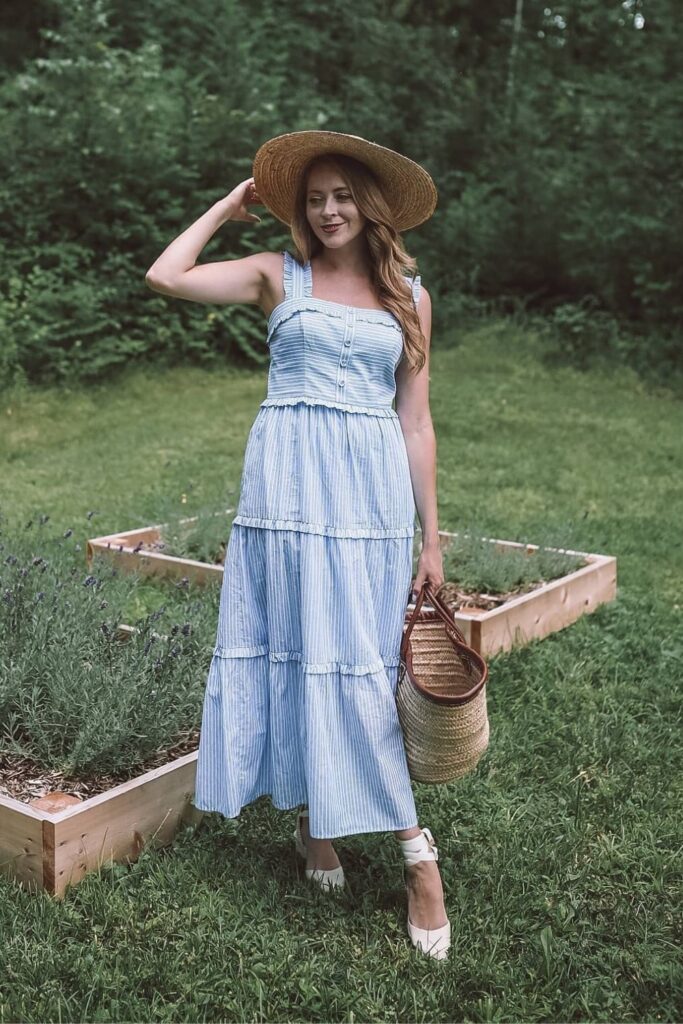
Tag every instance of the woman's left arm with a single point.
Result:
(412, 408)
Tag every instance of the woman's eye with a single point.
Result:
(316, 199)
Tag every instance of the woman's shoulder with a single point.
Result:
(272, 264)
(269, 260)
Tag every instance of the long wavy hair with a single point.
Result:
(388, 259)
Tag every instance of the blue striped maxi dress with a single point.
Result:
(300, 697)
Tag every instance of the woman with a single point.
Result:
(300, 699)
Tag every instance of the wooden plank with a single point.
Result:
(551, 608)
(118, 548)
(51, 851)
(153, 563)
(118, 824)
(539, 612)
(21, 843)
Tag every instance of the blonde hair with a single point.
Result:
(389, 260)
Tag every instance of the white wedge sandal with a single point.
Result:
(332, 878)
(433, 941)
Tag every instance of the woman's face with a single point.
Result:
(329, 202)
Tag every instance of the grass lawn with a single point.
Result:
(560, 855)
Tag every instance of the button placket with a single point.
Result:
(346, 344)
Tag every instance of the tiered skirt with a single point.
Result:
(300, 697)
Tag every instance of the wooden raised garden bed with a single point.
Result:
(137, 551)
(540, 611)
(52, 842)
(515, 621)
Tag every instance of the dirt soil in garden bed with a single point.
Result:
(466, 602)
(22, 779)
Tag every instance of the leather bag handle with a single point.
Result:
(440, 607)
(456, 635)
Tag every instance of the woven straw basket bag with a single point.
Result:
(440, 695)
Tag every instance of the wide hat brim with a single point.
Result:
(407, 187)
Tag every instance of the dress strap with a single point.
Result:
(415, 283)
(293, 277)
(298, 279)
(308, 279)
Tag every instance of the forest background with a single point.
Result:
(553, 134)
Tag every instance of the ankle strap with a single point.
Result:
(420, 847)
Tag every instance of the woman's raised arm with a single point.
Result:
(175, 272)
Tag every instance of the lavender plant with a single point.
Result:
(479, 567)
(74, 694)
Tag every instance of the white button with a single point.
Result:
(341, 383)
(348, 341)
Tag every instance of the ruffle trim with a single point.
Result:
(287, 308)
(291, 305)
(329, 531)
(384, 411)
(319, 668)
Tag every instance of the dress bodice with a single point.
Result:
(330, 353)
(326, 452)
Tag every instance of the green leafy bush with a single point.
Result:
(122, 125)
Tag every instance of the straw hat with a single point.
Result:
(407, 187)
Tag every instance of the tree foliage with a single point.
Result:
(553, 134)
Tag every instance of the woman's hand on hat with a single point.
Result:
(234, 205)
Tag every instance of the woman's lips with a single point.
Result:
(330, 230)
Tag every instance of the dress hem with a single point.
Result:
(203, 805)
